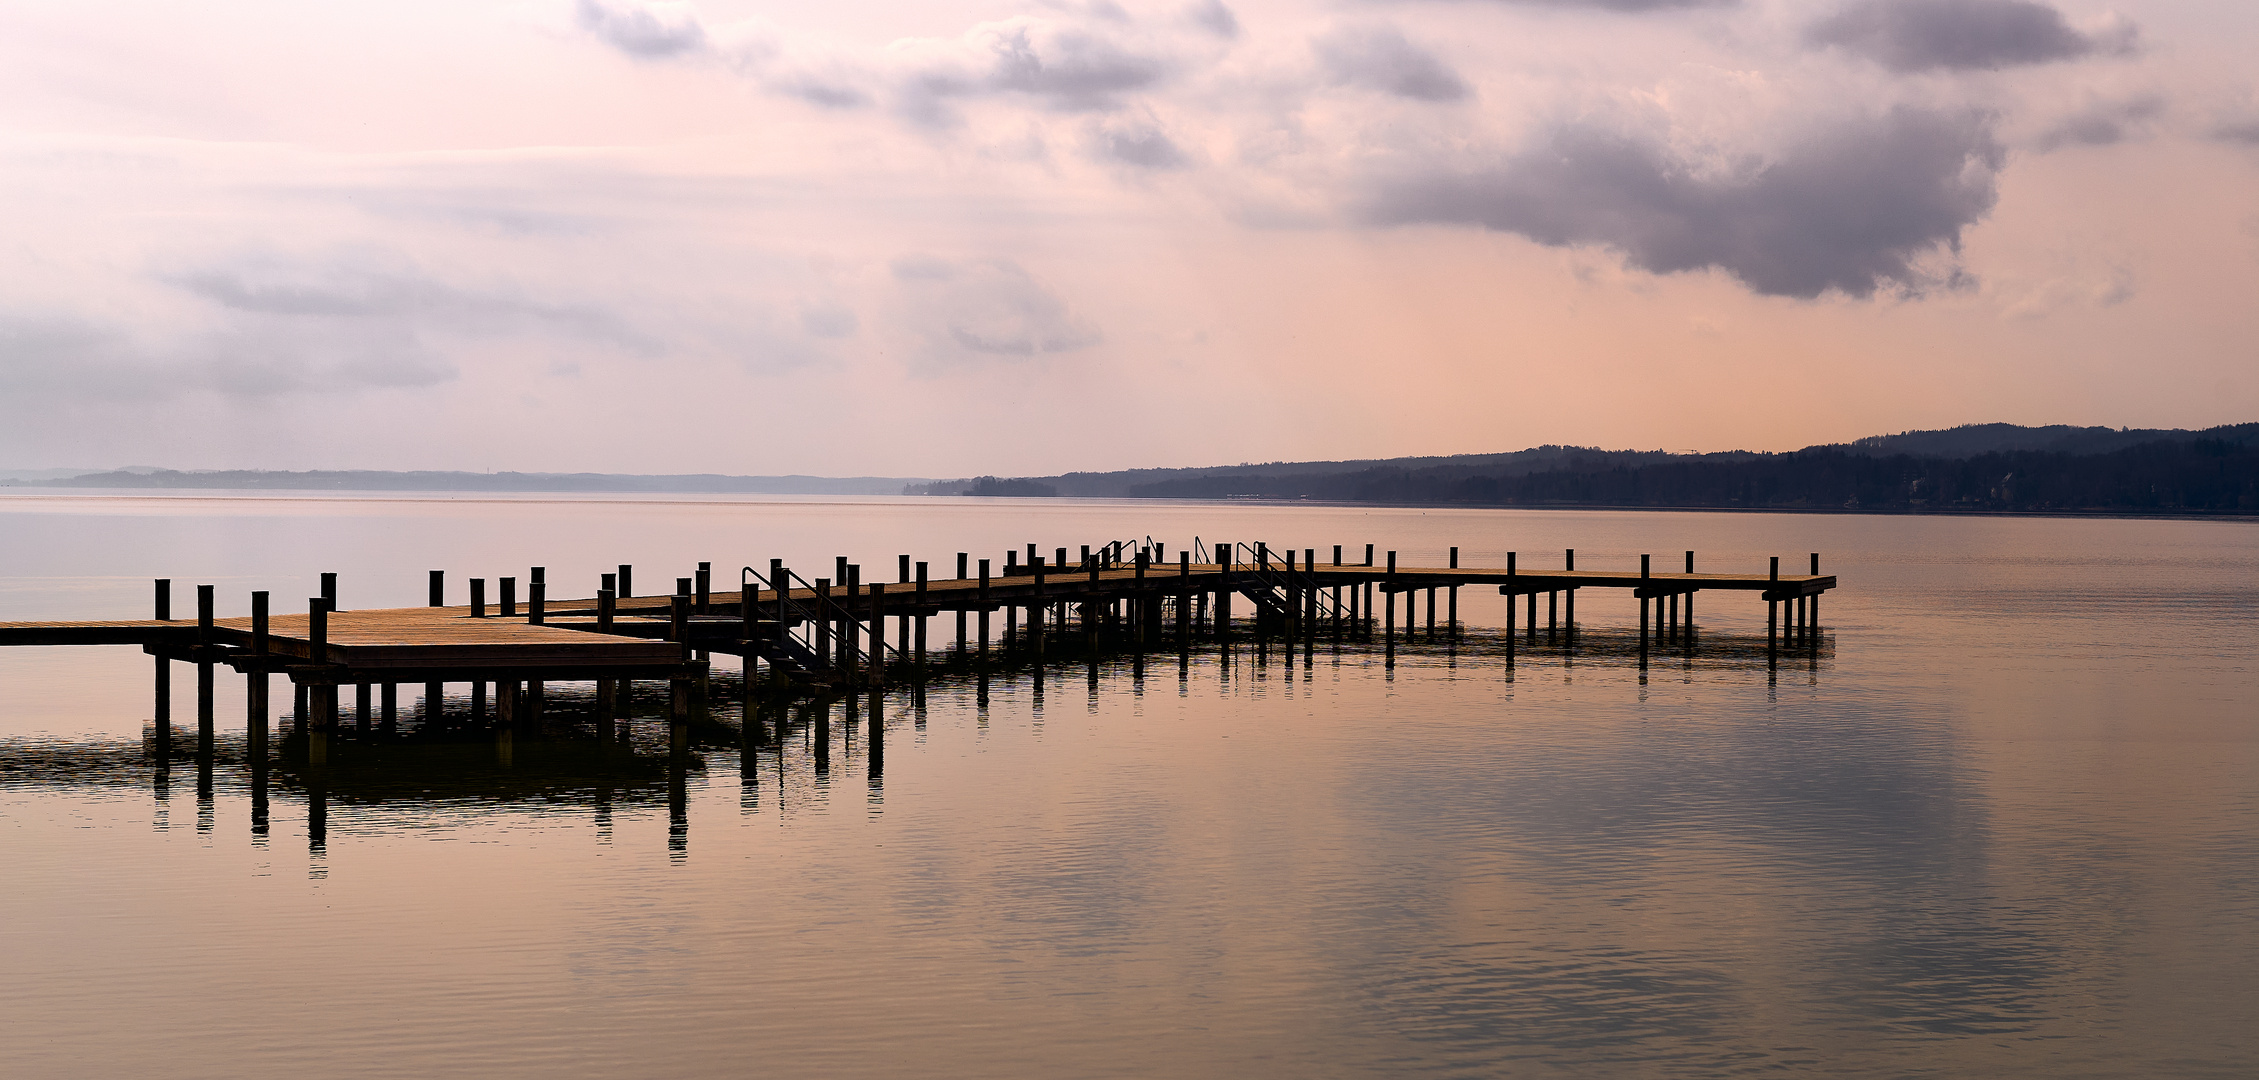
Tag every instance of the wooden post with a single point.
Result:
(1035, 606)
(255, 722)
(1533, 617)
(439, 589)
(678, 624)
(984, 609)
(608, 690)
(1569, 604)
(1145, 612)
(1772, 615)
(1388, 595)
(204, 648)
(388, 707)
(1452, 617)
(537, 603)
(821, 630)
(509, 589)
(705, 587)
(963, 557)
(1224, 558)
(478, 701)
(1815, 599)
(878, 632)
(1643, 579)
(478, 598)
(1688, 614)
(1552, 615)
(780, 582)
(323, 703)
(1512, 572)
(329, 591)
(918, 610)
(162, 683)
(627, 580)
(1184, 599)
(850, 631)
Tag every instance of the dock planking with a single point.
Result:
(829, 632)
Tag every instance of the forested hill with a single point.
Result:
(1989, 468)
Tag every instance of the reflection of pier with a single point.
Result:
(802, 635)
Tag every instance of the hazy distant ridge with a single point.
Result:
(370, 480)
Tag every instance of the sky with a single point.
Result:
(952, 238)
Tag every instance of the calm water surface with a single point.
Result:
(2005, 823)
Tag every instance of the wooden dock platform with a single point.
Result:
(794, 632)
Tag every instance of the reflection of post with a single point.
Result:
(317, 812)
(258, 797)
(819, 736)
(877, 752)
(678, 808)
(752, 735)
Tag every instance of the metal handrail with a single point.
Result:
(1280, 578)
(811, 614)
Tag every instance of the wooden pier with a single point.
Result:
(797, 633)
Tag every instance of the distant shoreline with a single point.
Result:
(7, 490)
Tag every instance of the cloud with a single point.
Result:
(1056, 64)
(1141, 145)
(1851, 210)
(80, 359)
(1961, 35)
(1380, 58)
(648, 31)
(368, 286)
(1629, 6)
(1215, 18)
(828, 320)
(2240, 132)
(2102, 123)
(992, 307)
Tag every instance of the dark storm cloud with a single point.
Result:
(1958, 35)
(1380, 58)
(1851, 210)
(2104, 123)
(639, 31)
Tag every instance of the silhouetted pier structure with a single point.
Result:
(797, 634)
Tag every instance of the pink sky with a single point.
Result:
(943, 238)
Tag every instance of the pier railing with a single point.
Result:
(817, 629)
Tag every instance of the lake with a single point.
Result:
(2003, 822)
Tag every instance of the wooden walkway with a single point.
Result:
(828, 632)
